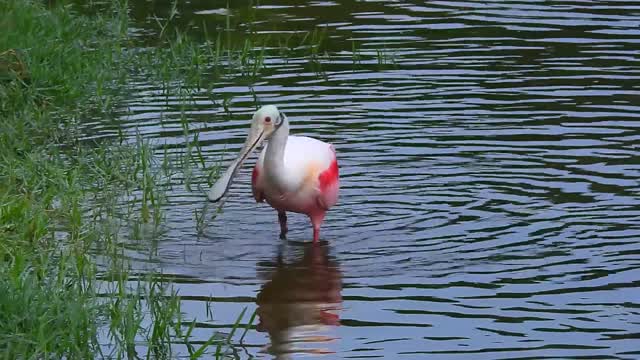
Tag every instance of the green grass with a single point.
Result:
(60, 198)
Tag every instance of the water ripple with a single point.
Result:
(490, 182)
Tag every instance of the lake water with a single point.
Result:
(490, 164)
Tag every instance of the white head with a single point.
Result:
(266, 121)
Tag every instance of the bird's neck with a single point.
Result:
(274, 158)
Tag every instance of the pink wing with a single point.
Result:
(256, 183)
(329, 184)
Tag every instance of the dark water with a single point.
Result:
(490, 202)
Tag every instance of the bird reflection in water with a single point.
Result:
(299, 304)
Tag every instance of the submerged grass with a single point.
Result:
(61, 199)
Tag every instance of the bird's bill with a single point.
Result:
(220, 188)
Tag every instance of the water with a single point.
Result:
(489, 161)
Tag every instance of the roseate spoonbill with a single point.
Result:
(293, 173)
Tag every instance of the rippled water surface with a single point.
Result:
(490, 158)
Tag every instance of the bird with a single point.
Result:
(293, 173)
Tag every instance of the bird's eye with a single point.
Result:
(267, 119)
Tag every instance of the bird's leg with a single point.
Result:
(280, 258)
(316, 220)
(282, 217)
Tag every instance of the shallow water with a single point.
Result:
(489, 161)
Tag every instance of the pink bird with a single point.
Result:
(293, 173)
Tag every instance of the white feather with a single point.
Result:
(300, 152)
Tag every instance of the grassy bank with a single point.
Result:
(58, 195)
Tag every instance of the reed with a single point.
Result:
(62, 200)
